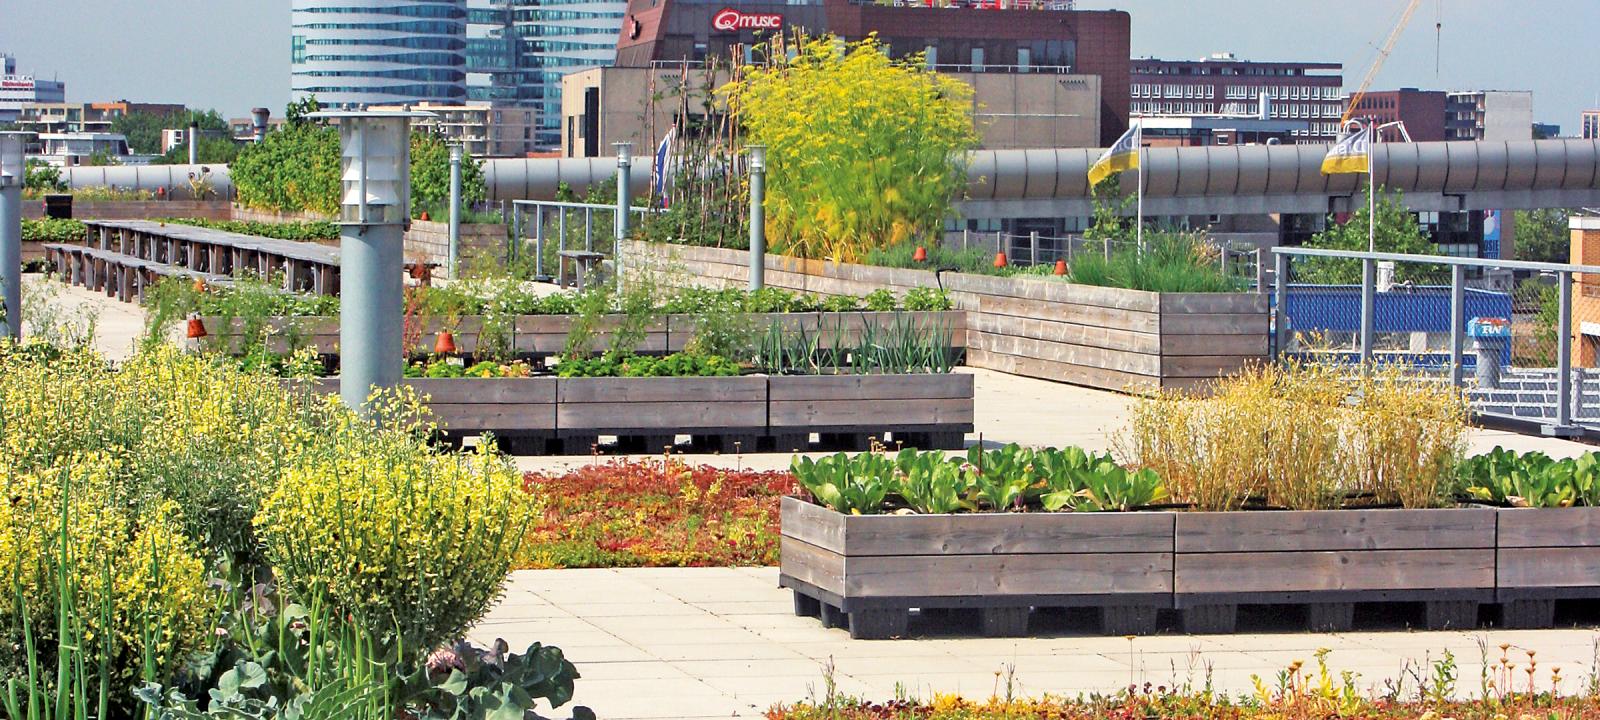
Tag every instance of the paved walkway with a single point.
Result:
(723, 642)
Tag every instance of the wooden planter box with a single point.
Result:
(932, 410)
(1330, 559)
(867, 571)
(1545, 554)
(546, 335)
(656, 409)
(509, 407)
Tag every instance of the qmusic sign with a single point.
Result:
(731, 20)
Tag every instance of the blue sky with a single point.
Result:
(233, 54)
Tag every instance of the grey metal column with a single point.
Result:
(194, 143)
(624, 181)
(758, 217)
(1369, 287)
(1280, 293)
(376, 206)
(1564, 355)
(1458, 321)
(455, 210)
(13, 173)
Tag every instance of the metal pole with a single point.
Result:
(376, 150)
(624, 201)
(1372, 190)
(1369, 283)
(966, 237)
(588, 229)
(758, 217)
(1033, 248)
(13, 171)
(538, 244)
(455, 210)
(1280, 291)
(1458, 322)
(516, 232)
(194, 143)
(1564, 353)
(1261, 270)
(1139, 143)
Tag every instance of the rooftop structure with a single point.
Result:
(355, 53)
(1223, 84)
(19, 90)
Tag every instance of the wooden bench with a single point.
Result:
(117, 275)
(584, 262)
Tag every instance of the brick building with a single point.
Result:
(1222, 84)
(965, 37)
(1423, 112)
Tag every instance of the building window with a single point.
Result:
(297, 49)
(977, 59)
(1024, 59)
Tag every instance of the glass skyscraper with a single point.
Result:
(354, 53)
(522, 48)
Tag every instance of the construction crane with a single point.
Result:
(1377, 63)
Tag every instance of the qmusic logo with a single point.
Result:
(730, 20)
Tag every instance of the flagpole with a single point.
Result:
(1138, 141)
(1372, 189)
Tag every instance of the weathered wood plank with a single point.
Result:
(501, 418)
(924, 386)
(1074, 355)
(870, 414)
(811, 564)
(1546, 567)
(681, 416)
(1204, 366)
(1549, 527)
(1115, 318)
(1006, 533)
(1249, 572)
(812, 524)
(1069, 333)
(1251, 345)
(1001, 575)
(1200, 324)
(689, 390)
(1210, 532)
(1061, 372)
(1214, 303)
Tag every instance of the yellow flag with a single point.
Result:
(1122, 155)
(1350, 155)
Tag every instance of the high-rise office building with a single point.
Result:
(355, 53)
(18, 90)
(523, 48)
(1591, 125)
(1222, 84)
(1489, 115)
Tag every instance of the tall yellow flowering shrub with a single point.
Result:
(131, 585)
(417, 544)
(863, 151)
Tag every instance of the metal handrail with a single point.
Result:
(1438, 260)
(611, 207)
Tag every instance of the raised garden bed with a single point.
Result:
(568, 415)
(1102, 337)
(867, 572)
(540, 336)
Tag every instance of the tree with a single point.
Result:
(1543, 235)
(430, 176)
(143, 129)
(863, 151)
(218, 150)
(43, 178)
(101, 158)
(296, 168)
(1397, 232)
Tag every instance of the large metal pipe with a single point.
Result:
(261, 116)
(172, 179)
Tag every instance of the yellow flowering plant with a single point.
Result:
(863, 152)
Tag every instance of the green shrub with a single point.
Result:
(52, 230)
(416, 543)
(1170, 262)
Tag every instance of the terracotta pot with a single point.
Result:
(1061, 267)
(196, 329)
(1000, 260)
(921, 255)
(446, 343)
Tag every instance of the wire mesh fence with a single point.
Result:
(1522, 343)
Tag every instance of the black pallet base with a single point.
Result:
(728, 442)
(881, 618)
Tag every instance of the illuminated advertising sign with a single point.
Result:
(731, 20)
